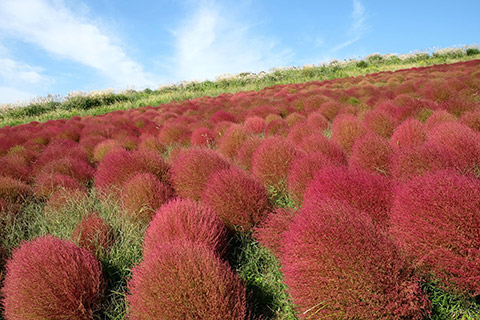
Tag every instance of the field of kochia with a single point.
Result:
(353, 198)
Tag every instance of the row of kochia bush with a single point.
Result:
(390, 200)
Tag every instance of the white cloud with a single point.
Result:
(357, 28)
(14, 95)
(59, 31)
(17, 72)
(213, 41)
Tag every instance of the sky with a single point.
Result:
(61, 46)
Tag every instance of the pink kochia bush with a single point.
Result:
(365, 191)
(191, 168)
(302, 171)
(185, 281)
(49, 278)
(236, 197)
(269, 233)
(345, 130)
(144, 193)
(372, 153)
(337, 262)
(185, 219)
(436, 220)
(93, 233)
(271, 161)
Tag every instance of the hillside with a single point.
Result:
(356, 196)
(95, 103)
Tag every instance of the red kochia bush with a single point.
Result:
(231, 140)
(185, 219)
(373, 153)
(271, 161)
(363, 190)
(458, 143)
(380, 122)
(191, 168)
(436, 220)
(337, 262)
(50, 278)
(185, 281)
(320, 143)
(302, 171)
(119, 166)
(409, 133)
(237, 198)
(345, 130)
(142, 194)
(202, 136)
(269, 233)
(254, 125)
(46, 184)
(14, 190)
(93, 233)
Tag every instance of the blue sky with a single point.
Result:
(60, 46)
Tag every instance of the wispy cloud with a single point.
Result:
(358, 26)
(58, 30)
(213, 41)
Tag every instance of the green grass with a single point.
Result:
(54, 107)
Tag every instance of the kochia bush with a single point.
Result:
(345, 130)
(185, 219)
(271, 161)
(231, 140)
(49, 278)
(142, 194)
(93, 233)
(365, 191)
(337, 262)
(236, 197)
(409, 133)
(187, 281)
(372, 152)
(435, 219)
(191, 168)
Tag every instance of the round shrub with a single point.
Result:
(337, 262)
(93, 233)
(14, 191)
(76, 168)
(302, 171)
(191, 168)
(278, 127)
(119, 166)
(439, 116)
(372, 153)
(471, 119)
(246, 150)
(172, 133)
(236, 197)
(458, 143)
(61, 199)
(409, 133)
(221, 116)
(186, 281)
(49, 278)
(104, 147)
(15, 166)
(435, 219)
(231, 140)
(365, 191)
(142, 194)
(185, 219)
(202, 137)
(320, 143)
(301, 130)
(317, 121)
(380, 122)
(269, 233)
(46, 184)
(255, 125)
(271, 162)
(149, 142)
(345, 130)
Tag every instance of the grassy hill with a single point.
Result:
(101, 102)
